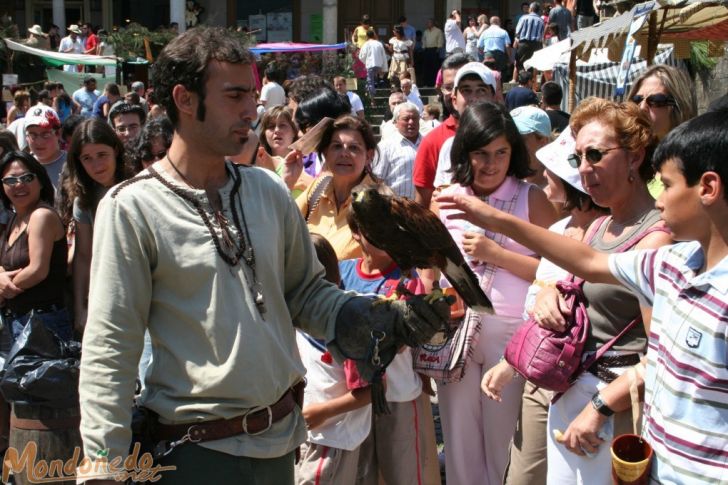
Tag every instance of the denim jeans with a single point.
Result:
(372, 79)
(58, 321)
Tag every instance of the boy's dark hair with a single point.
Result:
(552, 93)
(69, 125)
(273, 73)
(480, 124)
(8, 142)
(327, 257)
(44, 96)
(370, 34)
(113, 88)
(184, 61)
(455, 61)
(524, 77)
(697, 146)
(124, 108)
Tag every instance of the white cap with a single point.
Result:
(554, 157)
(476, 68)
(43, 116)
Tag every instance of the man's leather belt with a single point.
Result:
(255, 421)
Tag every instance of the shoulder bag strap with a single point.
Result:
(315, 194)
(587, 239)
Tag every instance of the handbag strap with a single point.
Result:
(316, 193)
(603, 349)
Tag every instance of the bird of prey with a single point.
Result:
(415, 238)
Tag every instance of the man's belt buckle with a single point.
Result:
(253, 411)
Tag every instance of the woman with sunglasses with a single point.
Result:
(667, 95)
(95, 163)
(33, 254)
(614, 143)
(153, 143)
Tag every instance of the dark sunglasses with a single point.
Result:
(654, 100)
(592, 155)
(147, 156)
(25, 178)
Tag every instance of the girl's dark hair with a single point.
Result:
(480, 124)
(80, 183)
(270, 118)
(327, 256)
(47, 191)
(321, 103)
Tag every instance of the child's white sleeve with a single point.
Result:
(635, 270)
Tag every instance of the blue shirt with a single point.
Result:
(86, 99)
(98, 110)
(530, 27)
(494, 39)
(410, 33)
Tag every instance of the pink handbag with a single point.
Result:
(547, 358)
(553, 360)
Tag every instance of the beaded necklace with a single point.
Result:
(230, 250)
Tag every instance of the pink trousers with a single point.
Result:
(478, 431)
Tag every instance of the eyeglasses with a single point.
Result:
(654, 100)
(25, 178)
(592, 155)
(45, 135)
(127, 129)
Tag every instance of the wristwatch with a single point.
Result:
(600, 406)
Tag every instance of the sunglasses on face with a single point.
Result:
(592, 155)
(654, 100)
(25, 178)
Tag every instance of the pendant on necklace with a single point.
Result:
(259, 300)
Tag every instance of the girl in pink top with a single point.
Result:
(489, 160)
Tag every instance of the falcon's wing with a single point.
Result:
(435, 243)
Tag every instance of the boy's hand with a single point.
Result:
(315, 415)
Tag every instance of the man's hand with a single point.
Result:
(582, 435)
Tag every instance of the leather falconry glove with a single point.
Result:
(370, 331)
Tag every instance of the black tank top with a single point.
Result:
(47, 292)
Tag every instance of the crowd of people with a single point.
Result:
(197, 253)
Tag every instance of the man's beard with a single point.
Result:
(447, 107)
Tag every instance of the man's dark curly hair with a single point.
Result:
(184, 61)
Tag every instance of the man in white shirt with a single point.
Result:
(387, 128)
(397, 153)
(272, 94)
(71, 44)
(375, 60)
(357, 107)
(454, 40)
(412, 97)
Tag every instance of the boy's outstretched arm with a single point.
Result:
(315, 414)
(572, 255)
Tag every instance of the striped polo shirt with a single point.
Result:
(686, 382)
(530, 27)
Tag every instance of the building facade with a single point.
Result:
(327, 21)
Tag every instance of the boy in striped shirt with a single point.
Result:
(686, 284)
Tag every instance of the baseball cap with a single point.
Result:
(554, 157)
(479, 69)
(42, 116)
(530, 119)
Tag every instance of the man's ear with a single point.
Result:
(711, 188)
(185, 100)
